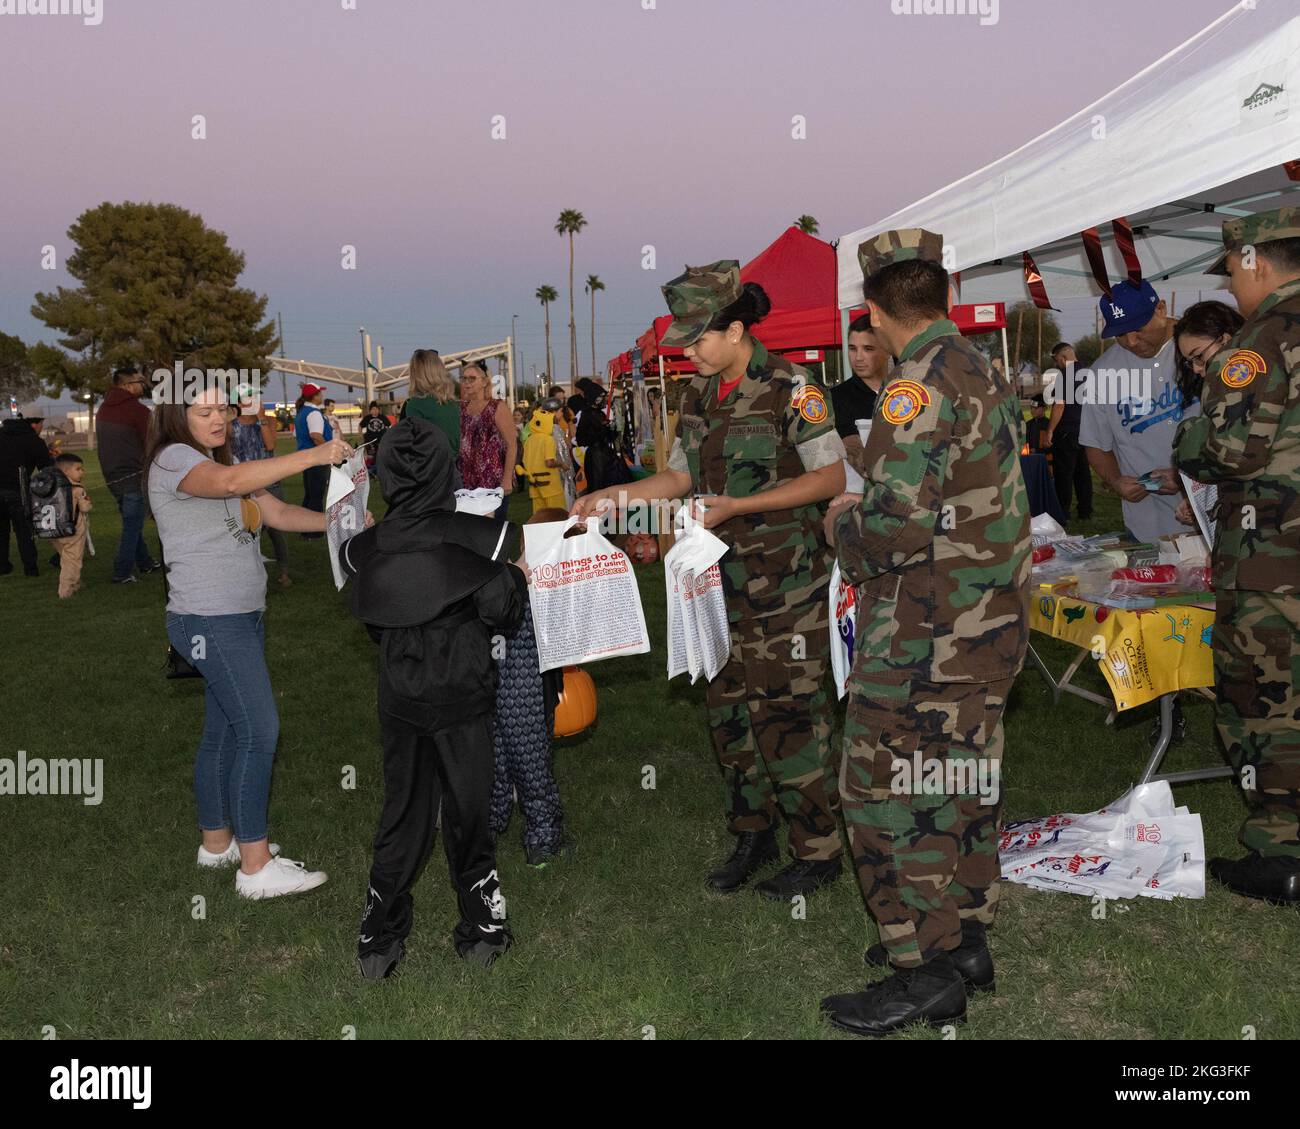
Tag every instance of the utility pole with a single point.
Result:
(284, 385)
(515, 366)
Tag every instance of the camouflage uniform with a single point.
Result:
(769, 711)
(940, 550)
(1247, 442)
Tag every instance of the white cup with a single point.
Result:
(864, 429)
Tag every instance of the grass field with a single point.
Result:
(98, 937)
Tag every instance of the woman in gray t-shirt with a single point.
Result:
(209, 514)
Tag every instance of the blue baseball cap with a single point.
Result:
(1128, 308)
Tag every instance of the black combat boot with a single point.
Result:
(973, 959)
(802, 876)
(1274, 878)
(932, 994)
(754, 850)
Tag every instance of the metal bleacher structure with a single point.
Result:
(374, 378)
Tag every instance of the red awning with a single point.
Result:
(983, 317)
(798, 272)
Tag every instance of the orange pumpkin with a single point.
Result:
(576, 709)
(642, 548)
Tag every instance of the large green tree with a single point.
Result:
(157, 287)
(17, 377)
(808, 224)
(1089, 348)
(1027, 325)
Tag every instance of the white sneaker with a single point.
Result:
(278, 877)
(229, 855)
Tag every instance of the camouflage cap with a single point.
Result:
(880, 251)
(694, 298)
(1244, 231)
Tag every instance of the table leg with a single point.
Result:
(1166, 735)
(1047, 674)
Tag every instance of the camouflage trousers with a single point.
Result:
(921, 788)
(771, 723)
(1257, 671)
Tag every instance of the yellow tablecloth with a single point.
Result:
(1141, 654)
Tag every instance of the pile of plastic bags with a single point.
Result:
(1139, 846)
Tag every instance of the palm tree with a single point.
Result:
(546, 295)
(808, 224)
(570, 223)
(593, 284)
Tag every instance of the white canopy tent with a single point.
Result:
(1198, 136)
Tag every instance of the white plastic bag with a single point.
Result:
(584, 596)
(1045, 529)
(1141, 845)
(345, 508)
(699, 635)
(844, 626)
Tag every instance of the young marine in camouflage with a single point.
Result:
(768, 708)
(1247, 442)
(940, 549)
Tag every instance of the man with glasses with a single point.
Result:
(122, 429)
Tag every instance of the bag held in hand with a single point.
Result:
(584, 596)
(699, 634)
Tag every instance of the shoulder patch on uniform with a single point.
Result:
(1242, 367)
(904, 401)
(811, 402)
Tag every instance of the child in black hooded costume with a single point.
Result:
(433, 587)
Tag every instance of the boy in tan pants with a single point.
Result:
(72, 549)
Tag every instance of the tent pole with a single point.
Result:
(1006, 361)
(844, 348)
(510, 368)
(663, 397)
(1020, 318)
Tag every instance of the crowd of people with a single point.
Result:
(935, 540)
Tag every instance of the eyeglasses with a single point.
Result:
(1204, 355)
(206, 411)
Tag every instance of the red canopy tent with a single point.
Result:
(799, 274)
(619, 366)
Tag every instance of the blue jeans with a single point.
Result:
(131, 549)
(232, 769)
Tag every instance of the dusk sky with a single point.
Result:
(669, 127)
